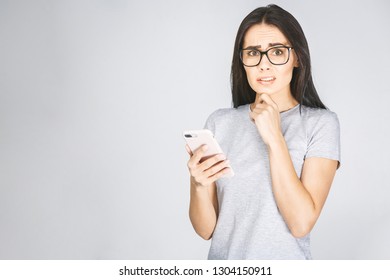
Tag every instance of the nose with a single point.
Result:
(264, 64)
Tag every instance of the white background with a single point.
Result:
(94, 96)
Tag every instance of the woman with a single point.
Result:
(281, 141)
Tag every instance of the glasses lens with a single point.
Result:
(250, 57)
(278, 55)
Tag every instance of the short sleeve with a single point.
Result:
(210, 123)
(324, 139)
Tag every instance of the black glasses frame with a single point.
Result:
(265, 53)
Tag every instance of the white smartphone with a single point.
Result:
(197, 138)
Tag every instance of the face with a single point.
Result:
(266, 77)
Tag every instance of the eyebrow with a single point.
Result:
(270, 45)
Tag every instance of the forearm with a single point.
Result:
(203, 214)
(294, 201)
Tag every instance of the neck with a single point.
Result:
(284, 103)
(287, 106)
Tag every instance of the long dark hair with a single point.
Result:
(302, 86)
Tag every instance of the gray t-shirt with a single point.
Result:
(249, 224)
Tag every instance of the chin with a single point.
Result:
(266, 91)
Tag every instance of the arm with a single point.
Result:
(203, 197)
(203, 209)
(299, 200)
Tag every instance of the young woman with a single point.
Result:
(280, 140)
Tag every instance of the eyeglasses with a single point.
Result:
(278, 55)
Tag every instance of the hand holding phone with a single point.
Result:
(197, 138)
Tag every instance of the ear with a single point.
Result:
(296, 63)
(296, 60)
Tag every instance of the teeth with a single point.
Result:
(267, 79)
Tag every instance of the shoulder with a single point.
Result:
(225, 118)
(323, 134)
(319, 116)
(321, 124)
(226, 114)
(221, 113)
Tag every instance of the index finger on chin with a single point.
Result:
(258, 98)
(268, 100)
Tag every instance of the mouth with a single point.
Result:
(266, 80)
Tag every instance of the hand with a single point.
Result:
(205, 173)
(266, 116)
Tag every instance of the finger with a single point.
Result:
(258, 99)
(205, 180)
(189, 150)
(258, 110)
(219, 174)
(216, 168)
(268, 100)
(253, 115)
(260, 107)
(197, 156)
(212, 161)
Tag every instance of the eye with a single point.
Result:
(277, 51)
(252, 53)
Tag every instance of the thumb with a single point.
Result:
(188, 150)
